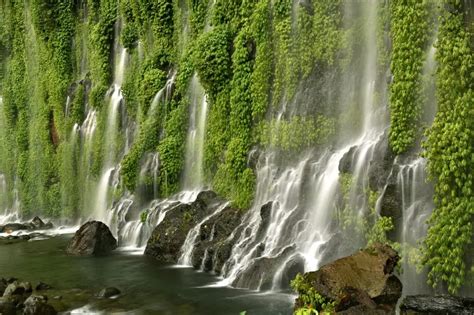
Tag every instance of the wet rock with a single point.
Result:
(167, 238)
(38, 305)
(260, 273)
(391, 205)
(214, 239)
(351, 281)
(436, 305)
(381, 164)
(42, 286)
(27, 286)
(108, 292)
(93, 238)
(37, 224)
(345, 164)
(3, 286)
(13, 227)
(14, 289)
(265, 213)
(7, 307)
(11, 279)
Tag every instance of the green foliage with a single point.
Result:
(129, 36)
(309, 300)
(171, 150)
(235, 170)
(212, 59)
(151, 82)
(378, 233)
(144, 216)
(407, 18)
(147, 141)
(450, 152)
(297, 133)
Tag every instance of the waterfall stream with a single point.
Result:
(111, 137)
(193, 170)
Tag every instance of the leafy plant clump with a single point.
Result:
(309, 301)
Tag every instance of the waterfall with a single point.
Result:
(193, 170)
(110, 140)
(304, 195)
(149, 170)
(417, 205)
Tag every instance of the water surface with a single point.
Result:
(147, 287)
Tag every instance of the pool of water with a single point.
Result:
(147, 287)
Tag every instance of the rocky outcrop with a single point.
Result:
(167, 238)
(38, 305)
(436, 305)
(259, 275)
(214, 246)
(363, 280)
(93, 238)
(35, 224)
(17, 298)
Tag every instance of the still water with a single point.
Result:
(147, 287)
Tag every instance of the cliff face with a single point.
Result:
(318, 106)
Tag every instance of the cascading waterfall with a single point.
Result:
(417, 205)
(111, 135)
(305, 196)
(134, 233)
(193, 170)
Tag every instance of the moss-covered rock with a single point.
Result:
(362, 280)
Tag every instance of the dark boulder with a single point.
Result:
(38, 305)
(3, 286)
(345, 164)
(381, 164)
(37, 224)
(364, 278)
(42, 286)
(213, 246)
(167, 238)
(108, 292)
(27, 286)
(93, 238)
(437, 305)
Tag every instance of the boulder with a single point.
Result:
(42, 286)
(362, 280)
(108, 292)
(37, 224)
(213, 246)
(38, 305)
(27, 286)
(93, 238)
(14, 288)
(436, 305)
(168, 237)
